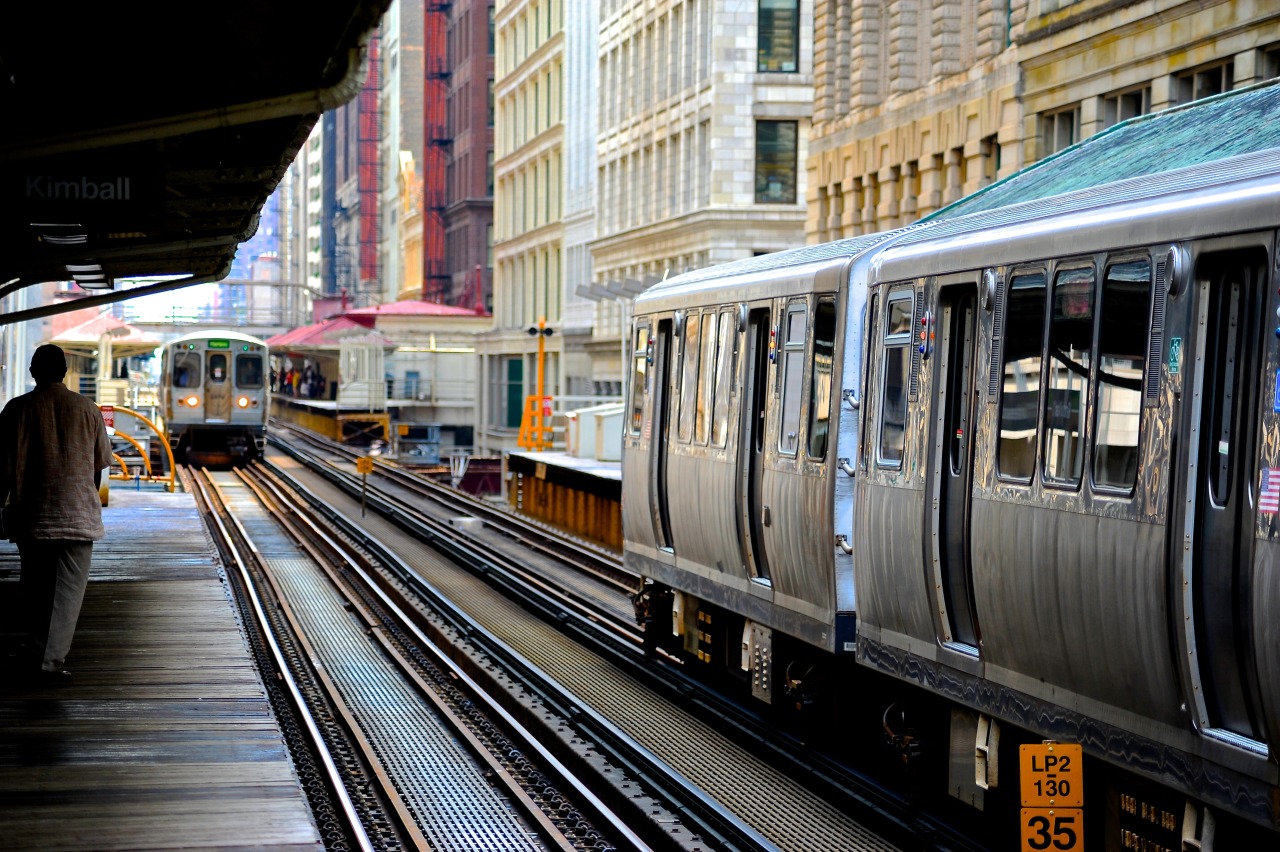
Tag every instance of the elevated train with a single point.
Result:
(215, 396)
(991, 479)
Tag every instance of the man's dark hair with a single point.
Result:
(48, 364)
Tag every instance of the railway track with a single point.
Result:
(847, 789)
(556, 802)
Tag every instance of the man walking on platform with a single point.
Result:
(53, 449)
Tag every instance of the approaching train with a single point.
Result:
(1008, 475)
(215, 396)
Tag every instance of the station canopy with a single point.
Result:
(143, 140)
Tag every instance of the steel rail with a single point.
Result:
(584, 613)
(599, 562)
(711, 819)
(889, 812)
(319, 747)
(311, 538)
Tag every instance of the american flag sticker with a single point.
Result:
(1269, 494)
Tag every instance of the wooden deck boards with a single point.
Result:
(163, 739)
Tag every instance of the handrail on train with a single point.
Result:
(171, 479)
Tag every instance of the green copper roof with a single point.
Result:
(1215, 128)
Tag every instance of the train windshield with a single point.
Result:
(186, 369)
(217, 367)
(249, 371)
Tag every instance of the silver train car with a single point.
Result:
(1013, 471)
(215, 397)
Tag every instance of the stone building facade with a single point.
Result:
(528, 285)
(920, 102)
(704, 109)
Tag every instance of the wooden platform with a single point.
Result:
(163, 738)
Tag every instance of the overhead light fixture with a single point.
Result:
(71, 240)
(84, 267)
(97, 281)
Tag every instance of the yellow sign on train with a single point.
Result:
(1052, 779)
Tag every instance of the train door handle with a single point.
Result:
(846, 467)
(766, 517)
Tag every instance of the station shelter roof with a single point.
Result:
(145, 143)
(126, 340)
(414, 308)
(328, 335)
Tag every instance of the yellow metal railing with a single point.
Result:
(170, 479)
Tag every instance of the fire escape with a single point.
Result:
(435, 155)
(369, 172)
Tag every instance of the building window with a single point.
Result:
(776, 162)
(778, 45)
(1124, 105)
(1204, 81)
(1061, 129)
(1271, 62)
(491, 30)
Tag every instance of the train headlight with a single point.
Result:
(192, 401)
(243, 402)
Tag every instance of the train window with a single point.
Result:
(792, 378)
(1020, 393)
(689, 354)
(824, 347)
(639, 376)
(217, 367)
(897, 371)
(724, 380)
(187, 367)
(1122, 346)
(1067, 381)
(706, 378)
(249, 371)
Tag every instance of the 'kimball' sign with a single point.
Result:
(83, 188)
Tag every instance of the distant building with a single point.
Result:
(528, 203)
(401, 111)
(704, 109)
(356, 146)
(469, 178)
(918, 105)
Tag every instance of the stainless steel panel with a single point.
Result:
(637, 521)
(798, 539)
(1266, 637)
(700, 492)
(1077, 601)
(888, 562)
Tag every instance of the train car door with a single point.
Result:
(217, 403)
(658, 442)
(752, 445)
(1220, 472)
(953, 461)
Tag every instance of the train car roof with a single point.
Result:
(1206, 131)
(763, 268)
(1230, 196)
(220, 334)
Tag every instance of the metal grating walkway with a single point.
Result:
(438, 780)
